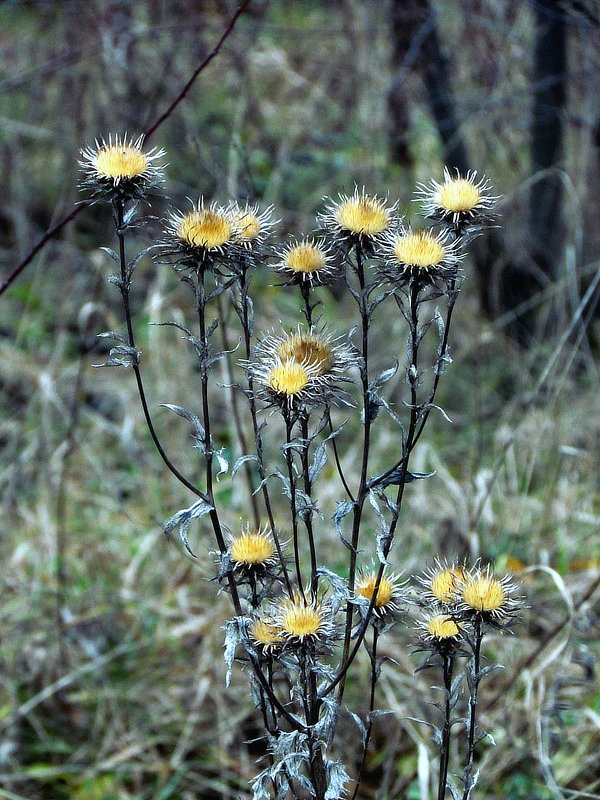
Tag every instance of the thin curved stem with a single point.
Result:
(293, 505)
(124, 288)
(373, 658)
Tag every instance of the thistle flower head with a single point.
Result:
(288, 377)
(442, 582)
(307, 260)
(388, 593)
(308, 348)
(253, 226)
(266, 634)
(482, 594)
(358, 217)
(300, 368)
(302, 621)
(252, 549)
(120, 167)
(458, 198)
(423, 255)
(440, 627)
(202, 234)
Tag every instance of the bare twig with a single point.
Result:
(52, 232)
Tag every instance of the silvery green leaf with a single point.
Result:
(183, 519)
(392, 413)
(129, 215)
(116, 280)
(250, 313)
(199, 432)
(383, 377)
(454, 689)
(132, 264)
(337, 778)
(224, 564)
(320, 455)
(379, 299)
(395, 476)
(439, 320)
(339, 586)
(305, 505)
(112, 254)
(121, 356)
(423, 331)
(489, 668)
(380, 712)
(342, 510)
(456, 795)
(360, 725)
(383, 537)
(443, 359)
(422, 722)
(437, 408)
(212, 328)
(118, 337)
(235, 632)
(171, 324)
(223, 463)
(242, 460)
(318, 462)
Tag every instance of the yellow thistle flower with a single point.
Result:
(359, 216)
(306, 260)
(483, 594)
(252, 548)
(457, 198)
(442, 582)
(309, 349)
(266, 634)
(287, 377)
(302, 367)
(120, 166)
(387, 593)
(301, 621)
(252, 227)
(205, 228)
(441, 627)
(422, 254)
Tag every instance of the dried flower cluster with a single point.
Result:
(295, 616)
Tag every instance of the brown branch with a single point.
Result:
(51, 233)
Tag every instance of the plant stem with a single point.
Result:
(474, 690)
(289, 460)
(258, 443)
(373, 658)
(237, 421)
(124, 288)
(448, 667)
(362, 487)
(314, 578)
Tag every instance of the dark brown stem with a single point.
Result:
(475, 667)
(237, 420)
(293, 505)
(314, 578)
(448, 666)
(373, 657)
(51, 233)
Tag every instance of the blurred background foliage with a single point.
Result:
(111, 675)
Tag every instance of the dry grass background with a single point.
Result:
(111, 681)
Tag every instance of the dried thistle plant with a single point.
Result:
(298, 624)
